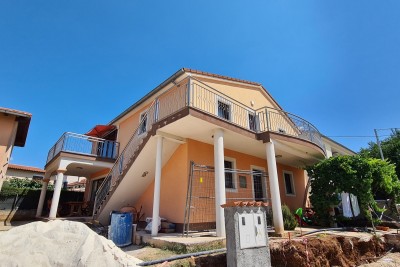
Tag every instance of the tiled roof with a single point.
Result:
(25, 168)
(15, 112)
(24, 119)
(81, 182)
(219, 76)
(245, 204)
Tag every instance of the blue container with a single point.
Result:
(121, 228)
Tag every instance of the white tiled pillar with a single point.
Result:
(219, 169)
(56, 194)
(41, 198)
(274, 187)
(157, 185)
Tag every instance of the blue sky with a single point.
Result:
(75, 64)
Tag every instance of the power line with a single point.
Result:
(355, 136)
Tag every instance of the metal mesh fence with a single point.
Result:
(241, 185)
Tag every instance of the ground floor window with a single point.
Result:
(289, 183)
(229, 165)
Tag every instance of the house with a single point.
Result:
(77, 186)
(14, 126)
(193, 143)
(22, 172)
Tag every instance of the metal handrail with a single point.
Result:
(85, 145)
(198, 95)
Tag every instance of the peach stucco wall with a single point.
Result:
(174, 180)
(175, 177)
(243, 93)
(128, 126)
(296, 201)
(8, 127)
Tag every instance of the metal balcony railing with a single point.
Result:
(85, 145)
(193, 93)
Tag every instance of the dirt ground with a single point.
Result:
(323, 250)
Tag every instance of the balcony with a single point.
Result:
(84, 145)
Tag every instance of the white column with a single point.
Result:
(41, 199)
(56, 194)
(157, 185)
(219, 169)
(274, 184)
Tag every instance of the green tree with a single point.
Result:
(390, 148)
(357, 175)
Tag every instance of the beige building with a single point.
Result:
(20, 171)
(14, 125)
(193, 143)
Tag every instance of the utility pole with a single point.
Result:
(379, 144)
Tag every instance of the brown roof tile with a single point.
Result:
(25, 168)
(220, 76)
(245, 204)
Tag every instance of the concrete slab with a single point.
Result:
(175, 241)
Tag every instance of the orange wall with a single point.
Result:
(174, 179)
(175, 176)
(8, 128)
(128, 126)
(296, 201)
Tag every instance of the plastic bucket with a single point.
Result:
(120, 231)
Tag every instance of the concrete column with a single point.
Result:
(219, 169)
(157, 185)
(56, 194)
(41, 199)
(274, 184)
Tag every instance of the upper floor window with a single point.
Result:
(289, 183)
(224, 110)
(143, 123)
(252, 121)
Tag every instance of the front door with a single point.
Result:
(258, 185)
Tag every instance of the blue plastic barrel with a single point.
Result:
(121, 228)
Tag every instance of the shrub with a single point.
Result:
(289, 221)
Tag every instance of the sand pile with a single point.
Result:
(59, 243)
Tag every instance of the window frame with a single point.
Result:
(291, 183)
(234, 175)
(225, 102)
(263, 181)
(142, 114)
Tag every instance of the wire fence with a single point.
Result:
(243, 185)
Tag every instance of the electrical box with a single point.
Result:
(252, 230)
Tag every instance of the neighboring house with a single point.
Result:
(14, 125)
(243, 145)
(78, 186)
(20, 171)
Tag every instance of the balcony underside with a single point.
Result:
(77, 164)
(193, 124)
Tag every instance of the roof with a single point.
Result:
(25, 168)
(81, 182)
(338, 145)
(24, 119)
(173, 77)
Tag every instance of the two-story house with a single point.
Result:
(193, 143)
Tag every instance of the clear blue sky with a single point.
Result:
(75, 64)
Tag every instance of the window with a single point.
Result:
(229, 179)
(37, 177)
(242, 181)
(289, 183)
(224, 110)
(252, 122)
(143, 123)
